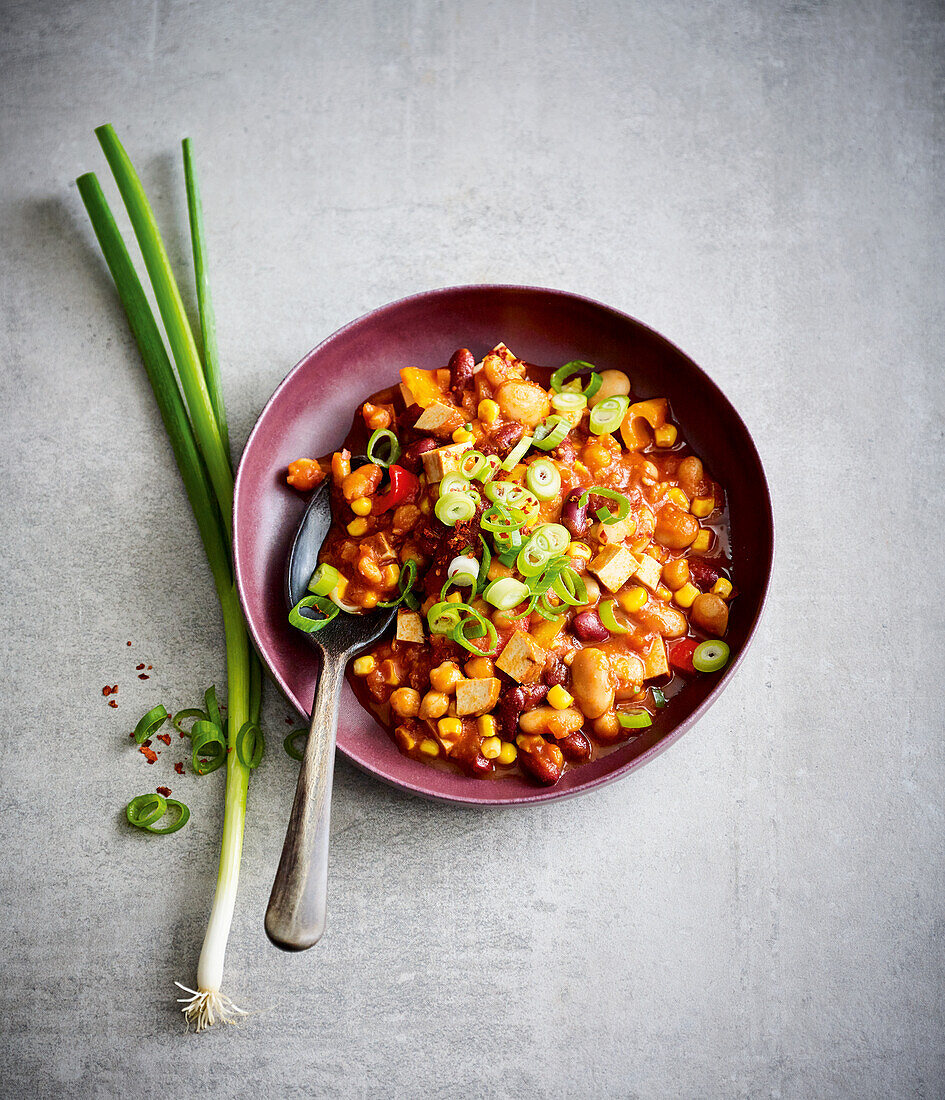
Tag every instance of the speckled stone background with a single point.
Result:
(759, 913)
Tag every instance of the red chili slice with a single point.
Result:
(403, 486)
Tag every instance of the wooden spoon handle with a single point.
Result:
(295, 918)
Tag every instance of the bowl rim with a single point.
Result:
(541, 794)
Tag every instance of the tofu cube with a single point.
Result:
(522, 659)
(648, 572)
(614, 566)
(440, 419)
(476, 696)
(654, 660)
(443, 460)
(409, 627)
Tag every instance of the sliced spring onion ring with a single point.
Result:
(659, 698)
(532, 559)
(517, 452)
(292, 746)
(543, 479)
(211, 706)
(605, 609)
(634, 719)
(486, 562)
(146, 809)
(570, 588)
(454, 483)
(566, 402)
(604, 514)
(250, 756)
(463, 570)
(324, 580)
(550, 432)
(377, 437)
(505, 593)
(502, 518)
(474, 626)
(554, 537)
(607, 415)
(306, 623)
(479, 467)
(405, 583)
(150, 723)
(454, 508)
(207, 739)
(182, 715)
(577, 366)
(710, 656)
(444, 617)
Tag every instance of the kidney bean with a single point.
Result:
(565, 452)
(576, 747)
(704, 573)
(512, 703)
(555, 671)
(461, 365)
(573, 516)
(504, 438)
(542, 761)
(533, 694)
(588, 627)
(410, 459)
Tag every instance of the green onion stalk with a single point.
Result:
(191, 406)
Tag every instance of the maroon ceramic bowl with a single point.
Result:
(311, 411)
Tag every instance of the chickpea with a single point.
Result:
(340, 466)
(362, 482)
(676, 574)
(551, 722)
(675, 529)
(606, 728)
(505, 620)
(614, 383)
(445, 677)
(523, 401)
(405, 518)
(479, 668)
(691, 477)
(590, 682)
(369, 569)
(710, 613)
(596, 457)
(664, 619)
(375, 416)
(434, 704)
(405, 703)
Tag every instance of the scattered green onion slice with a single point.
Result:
(454, 483)
(607, 415)
(501, 518)
(306, 623)
(577, 366)
(484, 567)
(505, 593)
(479, 467)
(475, 626)
(604, 514)
(250, 758)
(568, 402)
(710, 656)
(150, 723)
(553, 537)
(517, 452)
(444, 617)
(463, 571)
(605, 609)
(324, 580)
(291, 743)
(659, 698)
(634, 719)
(532, 559)
(570, 588)
(143, 811)
(454, 508)
(393, 447)
(182, 715)
(211, 706)
(207, 739)
(543, 479)
(550, 432)
(405, 583)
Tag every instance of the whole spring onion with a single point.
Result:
(378, 439)
(607, 415)
(543, 479)
(146, 809)
(191, 405)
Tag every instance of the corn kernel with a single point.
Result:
(663, 593)
(364, 665)
(389, 673)
(425, 506)
(429, 747)
(405, 739)
(723, 588)
(369, 599)
(490, 748)
(686, 595)
(703, 541)
(357, 527)
(559, 698)
(665, 436)
(702, 507)
(361, 506)
(487, 726)
(508, 753)
(454, 597)
(488, 411)
(390, 575)
(579, 550)
(445, 677)
(679, 498)
(633, 599)
(463, 435)
(580, 469)
(450, 727)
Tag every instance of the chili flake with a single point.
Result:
(166, 791)
(149, 754)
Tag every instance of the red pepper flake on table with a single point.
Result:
(165, 737)
(143, 676)
(113, 690)
(179, 767)
(148, 753)
(138, 668)
(166, 791)
(112, 703)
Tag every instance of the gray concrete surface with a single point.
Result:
(757, 914)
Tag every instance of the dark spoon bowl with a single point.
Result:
(311, 409)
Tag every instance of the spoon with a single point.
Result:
(295, 918)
